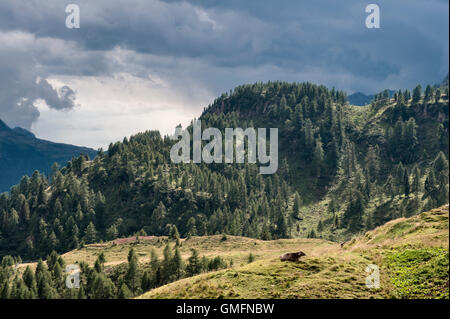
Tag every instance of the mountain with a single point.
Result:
(21, 153)
(342, 170)
(362, 99)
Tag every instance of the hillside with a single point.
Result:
(233, 248)
(412, 254)
(342, 170)
(21, 153)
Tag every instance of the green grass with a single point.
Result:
(412, 254)
(420, 273)
(311, 278)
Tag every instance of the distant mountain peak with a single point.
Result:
(361, 99)
(23, 131)
(21, 153)
(3, 126)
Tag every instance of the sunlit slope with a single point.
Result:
(229, 247)
(412, 255)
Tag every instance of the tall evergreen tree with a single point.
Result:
(132, 275)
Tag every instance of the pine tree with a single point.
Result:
(111, 232)
(193, 267)
(131, 277)
(440, 168)
(174, 234)
(24, 209)
(155, 267)
(428, 93)
(437, 95)
(90, 234)
(81, 293)
(406, 183)
(389, 187)
(146, 282)
(124, 292)
(103, 287)
(191, 227)
(296, 206)
(416, 185)
(354, 212)
(158, 219)
(167, 265)
(320, 226)
(5, 292)
(318, 156)
(30, 281)
(100, 263)
(430, 183)
(282, 228)
(312, 234)
(335, 221)
(57, 276)
(13, 219)
(417, 93)
(177, 264)
(44, 282)
(399, 178)
(20, 290)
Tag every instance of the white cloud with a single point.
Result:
(109, 108)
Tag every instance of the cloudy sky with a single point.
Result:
(135, 65)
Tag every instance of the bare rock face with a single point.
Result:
(292, 256)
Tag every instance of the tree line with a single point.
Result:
(48, 280)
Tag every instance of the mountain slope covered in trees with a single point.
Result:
(21, 153)
(342, 170)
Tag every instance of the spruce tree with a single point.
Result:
(81, 293)
(124, 292)
(146, 282)
(174, 234)
(417, 93)
(131, 277)
(177, 264)
(296, 206)
(416, 184)
(30, 281)
(193, 267)
(90, 234)
(406, 183)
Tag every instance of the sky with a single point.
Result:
(136, 65)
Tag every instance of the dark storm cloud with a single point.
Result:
(146, 26)
(220, 44)
(290, 34)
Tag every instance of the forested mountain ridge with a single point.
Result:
(342, 170)
(21, 153)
